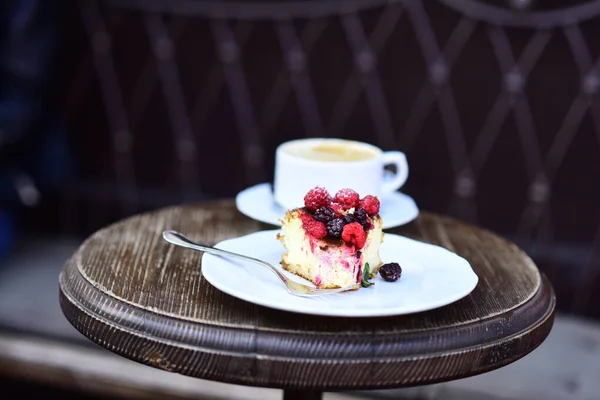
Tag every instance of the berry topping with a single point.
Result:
(349, 218)
(360, 216)
(305, 218)
(370, 204)
(335, 227)
(347, 198)
(316, 198)
(315, 228)
(390, 272)
(324, 214)
(337, 209)
(353, 233)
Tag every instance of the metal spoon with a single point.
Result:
(295, 288)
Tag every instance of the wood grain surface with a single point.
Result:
(133, 293)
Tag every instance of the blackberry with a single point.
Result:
(349, 218)
(324, 214)
(361, 216)
(390, 272)
(335, 228)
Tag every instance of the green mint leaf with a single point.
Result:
(366, 275)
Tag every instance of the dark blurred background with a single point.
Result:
(115, 107)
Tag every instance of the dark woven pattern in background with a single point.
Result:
(495, 104)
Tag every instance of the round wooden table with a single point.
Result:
(128, 290)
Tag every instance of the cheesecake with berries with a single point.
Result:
(333, 240)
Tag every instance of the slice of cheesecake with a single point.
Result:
(330, 245)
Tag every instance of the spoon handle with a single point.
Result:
(179, 239)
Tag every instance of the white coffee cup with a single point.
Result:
(334, 164)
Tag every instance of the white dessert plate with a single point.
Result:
(257, 202)
(432, 277)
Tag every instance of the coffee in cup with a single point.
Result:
(343, 151)
(334, 164)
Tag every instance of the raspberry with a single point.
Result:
(305, 217)
(370, 204)
(337, 209)
(324, 214)
(354, 234)
(360, 216)
(347, 198)
(335, 227)
(316, 198)
(315, 228)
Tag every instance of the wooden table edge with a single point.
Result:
(88, 321)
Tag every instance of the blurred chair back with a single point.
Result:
(494, 102)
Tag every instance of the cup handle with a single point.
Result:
(398, 179)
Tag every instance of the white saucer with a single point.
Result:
(257, 203)
(432, 277)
